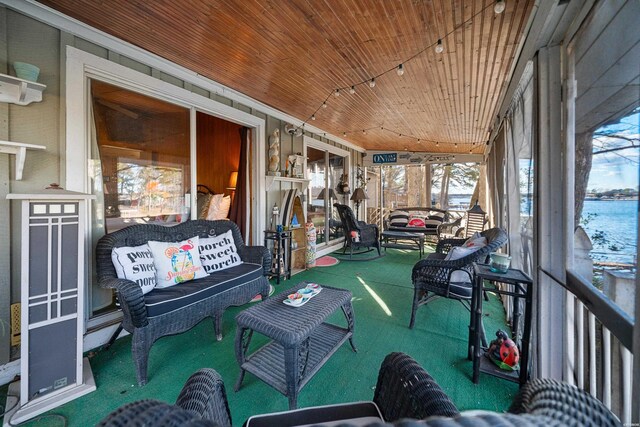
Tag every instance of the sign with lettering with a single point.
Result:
(385, 158)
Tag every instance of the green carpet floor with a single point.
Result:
(382, 295)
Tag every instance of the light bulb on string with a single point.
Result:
(400, 70)
(439, 46)
(313, 117)
(352, 90)
(418, 140)
(344, 134)
(499, 6)
(336, 92)
(324, 104)
(372, 82)
(364, 132)
(437, 144)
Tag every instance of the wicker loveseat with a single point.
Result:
(401, 220)
(176, 309)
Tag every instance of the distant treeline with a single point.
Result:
(615, 193)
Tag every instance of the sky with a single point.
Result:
(618, 169)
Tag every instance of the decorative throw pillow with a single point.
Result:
(219, 207)
(458, 252)
(219, 252)
(203, 202)
(439, 216)
(398, 218)
(176, 262)
(416, 221)
(135, 263)
(476, 240)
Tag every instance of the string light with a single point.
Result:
(364, 132)
(344, 134)
(498, 7)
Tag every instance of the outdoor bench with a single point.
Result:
(176, 309)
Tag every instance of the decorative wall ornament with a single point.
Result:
(274, 153)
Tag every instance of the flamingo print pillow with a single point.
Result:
(176, 262)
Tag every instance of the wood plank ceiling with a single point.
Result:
(293, 54)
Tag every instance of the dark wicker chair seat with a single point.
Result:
(405, 394)
(177, 309)
(432, 276)
(357, 234)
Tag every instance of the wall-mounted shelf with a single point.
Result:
(271, 179)
(20, 150)
(19, 91)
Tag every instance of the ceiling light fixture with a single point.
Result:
(372, 82)
(400, 70)
(337, 92)
(499, 6)
(439, 46)
(352, 90)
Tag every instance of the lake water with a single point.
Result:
(617, 220)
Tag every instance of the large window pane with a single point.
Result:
(316, 171)
(140, 166)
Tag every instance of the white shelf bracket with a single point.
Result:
(20, 151)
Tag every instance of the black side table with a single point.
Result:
(281, 253)
(521, 288)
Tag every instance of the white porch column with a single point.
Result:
(551, 244)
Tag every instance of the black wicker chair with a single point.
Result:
(405, 394)
(202, 401)
(431, 276)
(357, 234)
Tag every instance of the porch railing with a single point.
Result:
(597, 357)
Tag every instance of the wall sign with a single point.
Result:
(385, 158)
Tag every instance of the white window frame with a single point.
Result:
(307, 142)
(80, 68)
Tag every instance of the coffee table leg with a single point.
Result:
(347, 309)
(292, 373)
(243, 338)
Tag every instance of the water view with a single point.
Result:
(612, 226)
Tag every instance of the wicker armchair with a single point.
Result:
(202, 401)
(405, 393)
(357, 234)
(432, 276)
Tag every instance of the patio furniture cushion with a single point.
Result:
(176, 262)
(135, 263)
(219, 207)
(398, 218)
(219, 252)
(164, 300)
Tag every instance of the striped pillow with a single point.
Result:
(398, 218)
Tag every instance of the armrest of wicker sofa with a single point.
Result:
(406, 390)
(256, 255)
(562, 402)
(204, 394)
(130, 298)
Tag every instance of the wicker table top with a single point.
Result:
(290, 325)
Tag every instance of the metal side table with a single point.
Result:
(521, 287)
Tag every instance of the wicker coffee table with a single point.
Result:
(301, 341)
